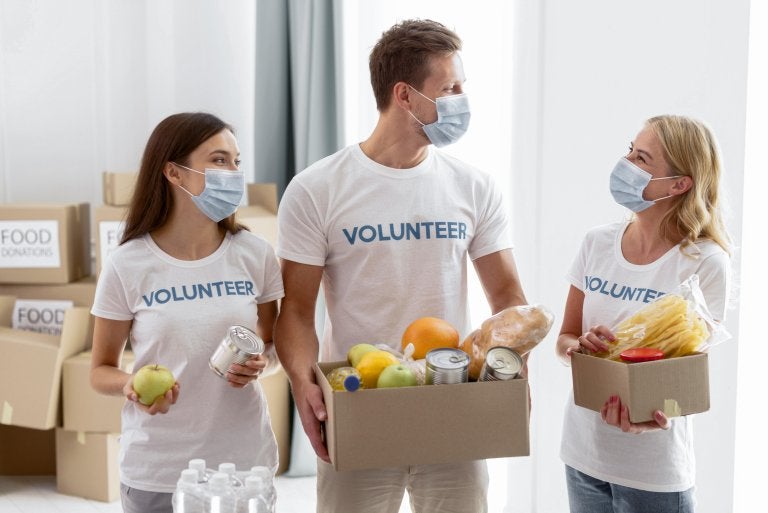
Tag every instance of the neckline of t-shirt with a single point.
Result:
(638, 267)
(150, 242)
(390, 172)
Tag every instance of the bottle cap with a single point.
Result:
(189, 475)
(351, 383)
(641, 354)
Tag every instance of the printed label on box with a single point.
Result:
(110, 233)
(25, 244)
(39, 315)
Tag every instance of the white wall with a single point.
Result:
(84, 82)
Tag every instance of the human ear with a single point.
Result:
(682, 185)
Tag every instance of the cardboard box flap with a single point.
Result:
(263, 195)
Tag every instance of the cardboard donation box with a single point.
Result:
(110, 223)
(117, 188)
(44, 243)
(278, 394)
(676, 386)
(260, 216)
(79, 292)
(27, 452)
(84, 408)
(30, 367)
(87, 465)
(426, 424)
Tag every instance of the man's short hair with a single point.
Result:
(403, 54)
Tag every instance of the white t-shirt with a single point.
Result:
(657, 461)
(393, 242)
(181, 311)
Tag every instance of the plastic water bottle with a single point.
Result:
(219, 497)
(267, 477)
(253, 496)
(230, 470)
(188, 497)
(203, 474)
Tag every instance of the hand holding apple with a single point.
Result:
(153, 382)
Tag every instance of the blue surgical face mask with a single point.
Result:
(628, 183)
(221, 195)
(452, 119)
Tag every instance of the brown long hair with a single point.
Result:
(403, 54)
(173, 140)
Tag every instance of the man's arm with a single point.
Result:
(501, 283)
(297, 346)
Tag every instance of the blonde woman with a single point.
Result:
(670, 180)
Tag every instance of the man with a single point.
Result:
(387, 226)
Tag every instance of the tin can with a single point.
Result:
(501, 364)
(446, 366)
(237, 346)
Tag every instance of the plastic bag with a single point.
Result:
(518, 327)
(678, 323)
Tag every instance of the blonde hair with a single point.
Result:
(690, 148)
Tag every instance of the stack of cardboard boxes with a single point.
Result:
(51, 420)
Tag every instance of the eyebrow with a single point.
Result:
(221, 152)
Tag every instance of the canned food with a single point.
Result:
(501, 364)
(446, 366)
(238, 346)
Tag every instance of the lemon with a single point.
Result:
(371, 365)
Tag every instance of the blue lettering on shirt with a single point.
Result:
(409, 231)
(619, 291)
(198, 291)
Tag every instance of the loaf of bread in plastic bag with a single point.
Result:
(518, 327)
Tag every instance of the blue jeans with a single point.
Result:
(589, 495)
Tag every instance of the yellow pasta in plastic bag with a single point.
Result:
(670, 324)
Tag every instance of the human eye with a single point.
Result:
(237, 162)
(631, 148)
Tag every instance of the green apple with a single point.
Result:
(356, 352)
(397, 375)
(151, 382)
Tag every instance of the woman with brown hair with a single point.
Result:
(185, 272)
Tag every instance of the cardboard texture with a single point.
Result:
(80, 292)
(34, 403)
(423, 425)
(677, 386)
(108, 229)
(27, 452)
(117, 188)
(84, 408)
(87, 465)
(260, 216)
(29, 232)
(278, 395)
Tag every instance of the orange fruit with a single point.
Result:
(429, 333)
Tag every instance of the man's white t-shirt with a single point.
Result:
(181, 311)
(393, 242)
(656, 461)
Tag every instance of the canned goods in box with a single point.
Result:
(238, 345)
(446, 366)
(501, 364)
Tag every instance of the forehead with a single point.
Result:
(646, 140)
(446, 68)
(222, 141)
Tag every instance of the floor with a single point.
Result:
(38, 495)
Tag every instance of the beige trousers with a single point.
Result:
(453, 488)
